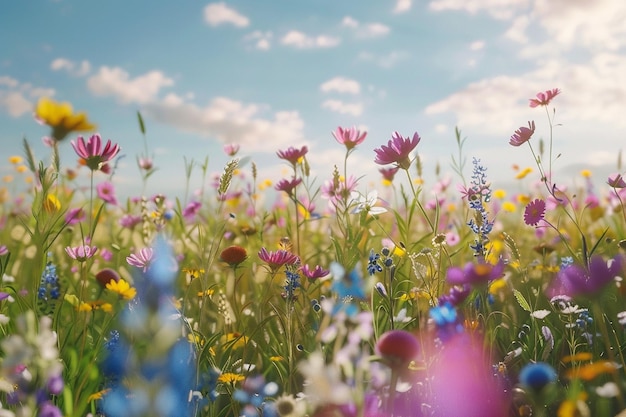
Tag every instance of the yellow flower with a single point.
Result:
(97, 395)
(21, 168)
(277, 358)
(95, 305)
(51, 204)
(496, 286)
(206, 293)
(230, 378)
(195, 339)
(499, 194)
(265, 184)
(523, 199)
(523, 173)
(193, 273)
(592, 370)
(61, 118)
(508, 207)
(238, 341)
(7, 178)
(15, 159)
(123, 288)
(585, 173)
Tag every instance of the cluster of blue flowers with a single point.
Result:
(49, 288)
(292, 283)
(480, 193)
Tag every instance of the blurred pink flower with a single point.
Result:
(92, 154)
(3, 250)
(616, 181)
(292, 154)
(231, 149)
(81, 253)
(523, 134)
(106, 192)
(75, 216)
(190, 211)
(277, 259)
(544, 98)
(129, 221)
(106, 255)
(288, 185)
(479, 273)
(397, 150)
(349, 137)
(312, 274)
(145, 163)
(340, 191)
(388, 174)
(141, 259)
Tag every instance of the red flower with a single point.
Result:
(523, 134)
(397, 348)
(544, 98)
(107, 275)
(234, 255)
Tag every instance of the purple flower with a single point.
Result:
(191, 210)
(3, 250)
(388, 174)
(92, 154)
(575, 280)
(316, 273)
(277, 259)
(616, 181)
(129, 221)
(106, 192)
(534, 212)
(397, 150)
(74, 216)
(292, 154)
(141, 259)
(475, 273)
(288, 185)
(523, 134)
(349, 137)
(81, 253)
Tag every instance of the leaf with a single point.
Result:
(521, 300)
(142, 127)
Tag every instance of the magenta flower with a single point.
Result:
(314, 274)
(145, 163)
(81, 253)
(349, 137)
(92, 154)
(277, 259)
(534, 212)
(3, 250)
(129, 221)
(523, 134)
(616, 181)
(292, 154)
(75, 216)
(288, 185)
(388, 174)
(575, 280)
(231, 149)
(190, 211)
(337, 191)
(397, 151)
(475, 273)
(106, 192)
(141, 259)
(544, 98)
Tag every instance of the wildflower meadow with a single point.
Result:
(455, 298)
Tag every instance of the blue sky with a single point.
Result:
(270, 74)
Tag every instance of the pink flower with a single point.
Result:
(523, 134)
(74, 216)
(534, 212)
(388, 174)
(81, 253)
(3, 250)
(292, 154)
(129, 221)
(231, 149)
(313, 274)
(339, 191)
(474, 273)
(106, 255)
(145, 163)
(350, 137)
(616, 181)
(191, 210)
(92, 154)
(141, 259)
(397, 150)
(288, 185)
(277, 259)
(106, 192)
(544, 98)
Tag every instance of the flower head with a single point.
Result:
(523, 134)
(388, 174)
(105, 276)
(141, 259)
(537, 375)
(234, 255)
(123, 288)
(574, 280)
(81, 253)
(313, 274)
(106, 192)
(293, 155)
(534, 212)
(616, 181)
(544, 98)
(92, 154)
(349, 137)
(277, 259)
(61, 118)
(288, 185)
(475, 273)
(397, 150)
(366, 203)
(397, 348)
(231, 149)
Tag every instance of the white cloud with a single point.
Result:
(18, 98)
(76, 69)
(499, 9)
(477, 45)
(369, 30)
(338, 106)
(402, 6)
(302, 41)
(117, 83)
(218, 13)
(385, 61)
(349, 22)
(517, 31)
(341, 85)
(261, 40)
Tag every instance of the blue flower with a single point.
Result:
(537, 375)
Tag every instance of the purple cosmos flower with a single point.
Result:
(81, 253)
(349, 137)
(292, 154)
(574, 280)
(277, 259)
(523, 134)
(534, 212)
(92, 154)
(616, 181)
(141, 259)
(106, 192)
(475, 273)
(316, 273)
(544, 98)
(288, 185)
(397, 150)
